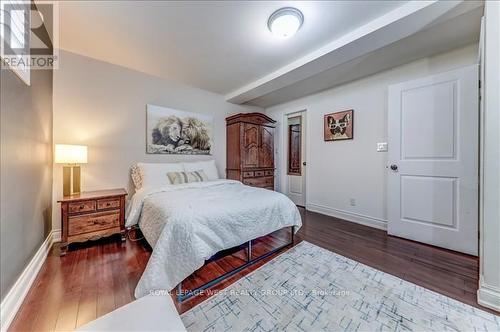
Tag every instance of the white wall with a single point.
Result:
(339, 171)
(489, 279)
(103, 106)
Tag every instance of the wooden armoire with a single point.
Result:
(250, 149)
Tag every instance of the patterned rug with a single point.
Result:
(309, 288)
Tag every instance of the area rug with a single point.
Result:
(309, 288)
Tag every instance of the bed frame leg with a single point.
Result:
(182, 296)
(249, 251)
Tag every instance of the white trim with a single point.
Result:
(282, 182)
(488, 295)
(15, 297)
(56, 236)
(349, 216)
(481, 144)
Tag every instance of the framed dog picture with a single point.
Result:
(171, 131)
(339, 125)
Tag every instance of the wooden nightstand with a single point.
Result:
(92, 215)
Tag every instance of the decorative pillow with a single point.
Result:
(136, 173)
(187, 177)
(207, 166)
(153, 174)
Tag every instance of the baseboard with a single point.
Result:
(349, 216)
(488, 296)
(56, 235)
(15, 297)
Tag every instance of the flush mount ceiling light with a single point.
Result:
(285, 22)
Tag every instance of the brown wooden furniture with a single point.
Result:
(92, 215)
(250, 149)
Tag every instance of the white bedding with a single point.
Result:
(187, 224)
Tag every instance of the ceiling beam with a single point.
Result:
(387, 29)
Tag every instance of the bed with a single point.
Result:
(186, 224)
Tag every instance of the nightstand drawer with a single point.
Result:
(108, 203)
(78, 207)
(93, 222)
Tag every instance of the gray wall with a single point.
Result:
(26, 170)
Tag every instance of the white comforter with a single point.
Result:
(187, 224)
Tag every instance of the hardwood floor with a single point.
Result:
(92, 280)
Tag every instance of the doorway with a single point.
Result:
(295, 139)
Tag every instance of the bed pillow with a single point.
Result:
(187, 177)
(154, 174)
(207, 166)
(136, 174)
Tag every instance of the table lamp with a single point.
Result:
(71, 156)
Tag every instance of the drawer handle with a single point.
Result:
(102, 222)
(82, 207)
(98, 222)
(108, 204)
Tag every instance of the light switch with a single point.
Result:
(381, 147)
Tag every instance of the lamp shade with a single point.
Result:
(70, 154)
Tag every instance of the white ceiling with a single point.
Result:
(218, 46)
(461, 30)
(225, 46)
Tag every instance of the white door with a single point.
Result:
(433, 160)
(296, 174)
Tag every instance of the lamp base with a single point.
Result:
(71, 180)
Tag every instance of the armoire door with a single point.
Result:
(266, 147)
(250, 145)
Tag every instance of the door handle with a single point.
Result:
(304, 163)
(394, 167)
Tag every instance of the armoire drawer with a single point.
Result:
(260, 182)
(257, 174)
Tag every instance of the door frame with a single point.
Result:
(284, 155)
(488, 294)
(480, 60)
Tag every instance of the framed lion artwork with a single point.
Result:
(339, 125)
(171, 131)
